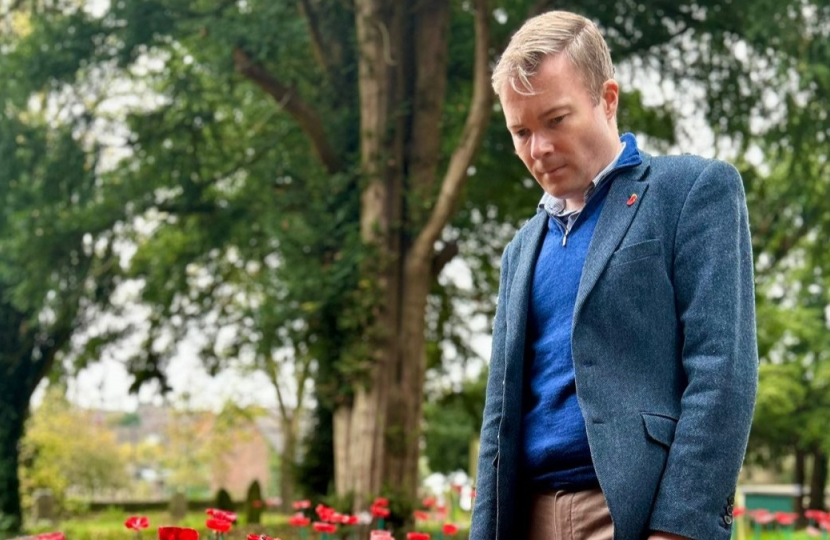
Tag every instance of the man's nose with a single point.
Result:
(540, 146)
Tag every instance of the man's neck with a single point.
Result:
(577, 202)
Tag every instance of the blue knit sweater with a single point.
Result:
(556, 452)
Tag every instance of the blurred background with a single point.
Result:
(249, 249)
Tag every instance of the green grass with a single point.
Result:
(770, 535)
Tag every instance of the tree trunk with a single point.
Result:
(382, 84)
(288, 463)
(342, 423)
(12, 417)
(402, 79)
(406, 397)
(818, 480)
(15, 391)
(290, 427)
(15, 380)
(799, 478)
(25, 358)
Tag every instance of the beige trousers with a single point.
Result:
(561, 515)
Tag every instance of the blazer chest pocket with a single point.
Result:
(636, 252)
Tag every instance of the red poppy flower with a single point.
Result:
(380, 535)
(325, 527)
(177, 533)
(302, 505)
(380, 511)
(137, 523)
(762, 516)
(420, 515)
(50, 536)
(381, 501)
(450, 529)
(816, 515)
(417, 536)
(473, 494)
(785, 518)
(299, 520)
(224, 515)
(218, 525)
(428, 502)
(324, 512)
(739, 511)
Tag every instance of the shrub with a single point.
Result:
(224, 501)
(254, 504)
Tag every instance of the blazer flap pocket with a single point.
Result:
(660, 428)
(635, 252)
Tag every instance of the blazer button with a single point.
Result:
(727, 520)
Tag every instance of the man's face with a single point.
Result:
(560, 135)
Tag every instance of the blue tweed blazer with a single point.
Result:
(664, 348)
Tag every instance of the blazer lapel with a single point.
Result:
(613, 223)
(517, 304)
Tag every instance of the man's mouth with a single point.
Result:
(551, 170)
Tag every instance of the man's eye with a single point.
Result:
(558, 119)
(521, 134)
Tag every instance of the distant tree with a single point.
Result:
(793, 409)
(70, 450)
(186, 455)
(452, 423)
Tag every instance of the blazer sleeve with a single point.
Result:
(483, 524)
(714, 288)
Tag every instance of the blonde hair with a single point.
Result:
(550, 34)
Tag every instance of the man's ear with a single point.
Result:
(610, 98)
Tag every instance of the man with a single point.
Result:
(624, 366)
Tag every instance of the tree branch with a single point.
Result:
(273, 375)
(317, 46)
(480, 111)
(443, 257)
(288, 99)
(302, 377)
